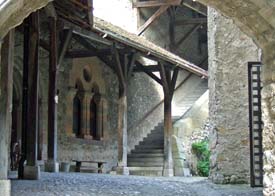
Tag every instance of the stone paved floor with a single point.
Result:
(82, 184)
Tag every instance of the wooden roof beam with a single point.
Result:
(198, 7)
(144, 4)
(191, 21)
(152, 19)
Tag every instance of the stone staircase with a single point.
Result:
(147, 158)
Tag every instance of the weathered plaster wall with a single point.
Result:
(230, 50)
(69, 146)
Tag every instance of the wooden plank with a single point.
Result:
(186, 36)
(87, 53)
(144, 4)
(191, 21)
(196, 6)
(153, 18)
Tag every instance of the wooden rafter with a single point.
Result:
(153, 18)
(198, 7)
(144, 4)
(187, 35)
(64, 47)
(191, 21)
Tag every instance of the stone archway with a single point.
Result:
(255, 18)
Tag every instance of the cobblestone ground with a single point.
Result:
(83, 184)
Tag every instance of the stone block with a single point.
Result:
(52, 166)
(32, 172)
(122, 171)
(5, 187)
(168, 172)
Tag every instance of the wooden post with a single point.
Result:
(31, 64)
(168, 84)
(122, 113)
(52, 165)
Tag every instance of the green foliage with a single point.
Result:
(202, 151)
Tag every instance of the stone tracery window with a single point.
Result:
(77, 111)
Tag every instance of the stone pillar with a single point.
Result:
(168, 131)
(69, 123)
(52, 164)
(268, 116)
(86, 114)
(6, 85)
(122, 133)
(230, 50)
(31, 63)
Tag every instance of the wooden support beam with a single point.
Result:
(173, 81)
(172, 18)
(196, 6)
(50, 10)
(30, 99)
(52, 98)
(191, 21)
(150, 68)
(153, 18)
(87, 53)
(131, 65)
(186, 36)
(64, 46)
(90, 12)
(168, 90)
(144, 4)
(118, 66)
(153, 76)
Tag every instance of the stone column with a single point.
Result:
(6, 85)
(69, 123)
(122, 133)
(86, 114)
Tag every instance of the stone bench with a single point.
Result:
(79, 165)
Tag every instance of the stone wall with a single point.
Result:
(71, 147)
(229, 53)
(187, 130)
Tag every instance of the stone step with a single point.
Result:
(153, 147)
(146, 155)
(145, 164)
(149, 151)
(145, 159)
(152, 142)
(146, 171)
